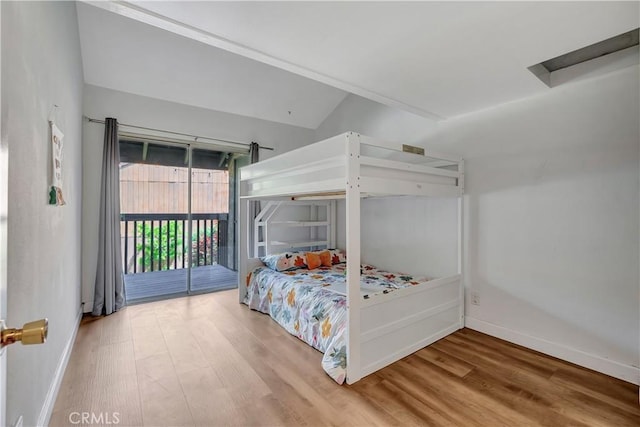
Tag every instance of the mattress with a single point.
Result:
(312, 304)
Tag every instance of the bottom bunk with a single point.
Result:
(399, 315)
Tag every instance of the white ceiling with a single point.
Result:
(126, 55)
(437, 59)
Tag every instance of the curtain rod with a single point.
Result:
(195, 137)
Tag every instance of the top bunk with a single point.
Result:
(350, 161)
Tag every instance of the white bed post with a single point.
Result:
(354, 300)
(461, 240)
(331, 217)
(243, 247)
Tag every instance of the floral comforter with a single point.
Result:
(311, 304)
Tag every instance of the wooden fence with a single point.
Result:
(164, 189)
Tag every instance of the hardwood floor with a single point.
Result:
(207, 360)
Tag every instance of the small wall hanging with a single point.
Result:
(55, 191)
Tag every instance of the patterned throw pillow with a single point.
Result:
(285, 261)
(288, 261)
(337, 256)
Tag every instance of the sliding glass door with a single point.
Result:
(210, 222)
(174, 220)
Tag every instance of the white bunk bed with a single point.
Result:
(350, 166)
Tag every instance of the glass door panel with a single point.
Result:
(154, 220)
(211, 259)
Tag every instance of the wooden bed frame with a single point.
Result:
(352, 166)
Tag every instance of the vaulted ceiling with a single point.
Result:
(266, 59)
(126, 55)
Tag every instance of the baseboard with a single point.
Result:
(50, 401)
(597, 363)
(87, 306)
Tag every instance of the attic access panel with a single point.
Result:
(167, 155)
(599, 58)
(596, 50)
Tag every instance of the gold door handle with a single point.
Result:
(30, 333)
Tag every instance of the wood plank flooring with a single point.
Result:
(209, 361)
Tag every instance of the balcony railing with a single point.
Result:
(156, 242)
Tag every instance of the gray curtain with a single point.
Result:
(254, 152)
(109, 290)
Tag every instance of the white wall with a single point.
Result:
(41, 66)
(552, 196)
(552, 219)
(404, 234)
(431, 248)
(370, 118)
(153, 113)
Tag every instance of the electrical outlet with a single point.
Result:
(475, 298)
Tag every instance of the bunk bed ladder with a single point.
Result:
(272, 217)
